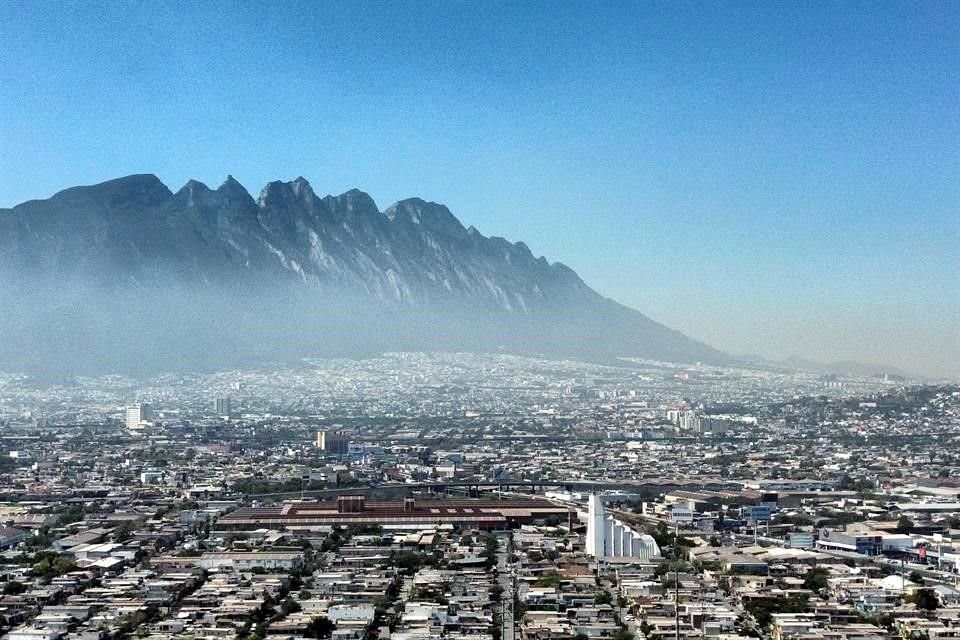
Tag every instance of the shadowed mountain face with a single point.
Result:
(127, 276)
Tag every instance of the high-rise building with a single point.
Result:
(222, 406)
(690, 421)
(333, 442)
(137, 414)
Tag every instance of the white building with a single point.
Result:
(610, 538)
(241, 561)
(681, 514)
(137, 414)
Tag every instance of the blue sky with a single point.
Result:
(772, 178)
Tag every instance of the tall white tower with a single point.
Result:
(137, 414)
(596, 527)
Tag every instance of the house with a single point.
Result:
(11, 537)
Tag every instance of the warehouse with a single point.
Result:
(400, 514)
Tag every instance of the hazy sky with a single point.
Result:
(772, 178)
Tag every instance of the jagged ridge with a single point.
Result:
(133, 233)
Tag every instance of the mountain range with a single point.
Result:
(129, 276)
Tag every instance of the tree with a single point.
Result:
(924, 599)
(916, 577)
(724, 585)
(762, 609)
(320, 627)
(550, 579)
(49, 565)
(602, 597)
(905, 525)
(623, 634)
(490, 546)
(124, 532)
(290, 606)
(815, 579)
(13, 588)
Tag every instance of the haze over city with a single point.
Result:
(477, 320)
(771, 180)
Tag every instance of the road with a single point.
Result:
(505, 580)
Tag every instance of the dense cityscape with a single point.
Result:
(462, 496)
(479, 320)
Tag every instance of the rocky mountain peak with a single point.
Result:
(414, 273)
(430, 215)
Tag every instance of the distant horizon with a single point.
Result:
(769, 179)
(805, 362)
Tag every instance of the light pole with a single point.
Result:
(676, 581)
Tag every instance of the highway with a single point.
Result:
(534, 486)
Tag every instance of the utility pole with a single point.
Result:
(676, 580)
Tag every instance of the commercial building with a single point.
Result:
(868, 543)
(138, 414)
(222, 406)
(333, 442)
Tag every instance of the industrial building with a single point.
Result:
(610, 539)
(396, 514)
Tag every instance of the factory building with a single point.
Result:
(608, 538)
(397, 514)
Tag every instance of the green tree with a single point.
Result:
(762, 609)
(623, 634)
(550, 579)
(490, 546)
(905, 525)
(816, 579)
(320, 627)
(290, 606)
(924, 599)
(124, 532)
(13, 588)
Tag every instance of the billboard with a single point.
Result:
(800, 540)
(758, 513)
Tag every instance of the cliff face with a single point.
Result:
(100, 273)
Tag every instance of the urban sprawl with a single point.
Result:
(476, 497)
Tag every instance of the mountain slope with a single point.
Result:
(128, 272)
